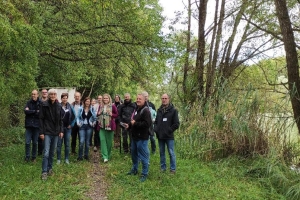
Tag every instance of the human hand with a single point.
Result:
(42, 136)
(61, 135)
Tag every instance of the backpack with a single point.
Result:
(153, 116)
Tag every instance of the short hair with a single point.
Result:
(64, 95)
(142, 94)
(145, 93)
(52, 91)
(126, 94)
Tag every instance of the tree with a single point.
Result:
(291, 56)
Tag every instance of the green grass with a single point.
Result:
(225, 179)
(194, 180)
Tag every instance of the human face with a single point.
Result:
(105, 99)
(44, 94)
(140, 100)
(127, 97)
(165, 100)
(52, 97)
(146, 97)
(64, 100)
(34, 95)
(99, 99)
(117, 99)
(93, 102)
(87, 103)
(77, 97)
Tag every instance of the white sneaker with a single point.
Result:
(58, 162)
(105, 160)
(95, 149)
(67, 161)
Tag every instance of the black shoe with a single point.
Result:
(26, 159)
(79, 159)
(132, 172)
(86, 157)
(40, 153)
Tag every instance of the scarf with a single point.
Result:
(104, 119)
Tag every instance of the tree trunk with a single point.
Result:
(291, 56)
(199, 70)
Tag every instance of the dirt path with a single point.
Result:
(99, 186)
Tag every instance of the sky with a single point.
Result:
(170, 7)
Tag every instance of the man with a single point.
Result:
(32, 109)
(44, 95)
(51, 127)
(40, 141)
(96, 130)
(139, 128)
(75, 129)
(125, 112)
(166, 123)
(153, 116)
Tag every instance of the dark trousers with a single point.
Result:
(125, 135)
(96, 137)
(74, 134)
(40, 146)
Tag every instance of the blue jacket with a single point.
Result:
(72, 118)
(32, 115)
(92, 120)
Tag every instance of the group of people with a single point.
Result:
(56, 123)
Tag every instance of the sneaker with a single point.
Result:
(95, 149)
(105, 160)
(172, 172)
(143, 178)
(132, 172)
(50, 172)
(58, 162)
(44, 176)
(67, 161)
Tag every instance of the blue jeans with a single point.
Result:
(85, 133)
(170, 146)
(50, 143)
(66, 141)
(140, 151)
(31, 134)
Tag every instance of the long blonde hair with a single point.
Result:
(109, 97)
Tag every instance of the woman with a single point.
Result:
(86, 120)
(107, 113)
(117, 132)
(68, 118)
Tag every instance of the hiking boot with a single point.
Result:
(44, 176)
(50, 172)
(95, 149)
(132, 172)
(143, 178)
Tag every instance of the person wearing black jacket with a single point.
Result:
(31, 110)
(139, 128)
(165, 124)
(51, 127)
(125, 112)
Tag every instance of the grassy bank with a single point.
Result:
(225, 179)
